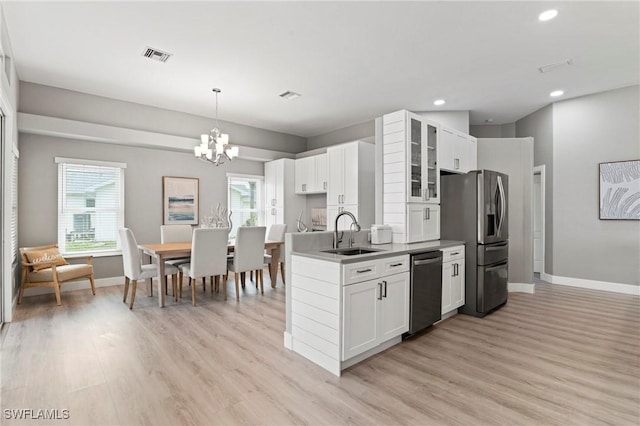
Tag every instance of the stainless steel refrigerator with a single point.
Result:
(474, 209)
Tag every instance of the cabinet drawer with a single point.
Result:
(394, 265)
(452, 253)
(361, 271)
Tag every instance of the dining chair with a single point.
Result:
(276, 233)
(134, 270)
(208, 259)
(248, 254)
(175, 234)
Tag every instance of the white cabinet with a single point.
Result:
(423, 222)
(282, 205)
(350, 169)
(453, 277)
(342, 313)
(411, 177)
(375, 310)
(311, 174)
(458, 151)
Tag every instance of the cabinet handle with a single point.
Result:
(273, 201)
(385, 289)
(380, 288)
(362, 271)
(456, 163)
(453, 269)
(393, 265)
(324, 185)
(428, 213)
(304, 187)
(455, 254)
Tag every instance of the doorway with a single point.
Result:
(538, 221)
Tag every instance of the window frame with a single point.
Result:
(63, 163)
(260, 208)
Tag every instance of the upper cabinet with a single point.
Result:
(410, 152)
(458, 151)
(282, 205)
(311, 174)
(350, 168)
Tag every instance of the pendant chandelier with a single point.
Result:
(214, 147)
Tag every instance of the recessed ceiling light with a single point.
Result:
(289, 95)
(548, 15)
(556, 93)
(439, 102)
(489, 120)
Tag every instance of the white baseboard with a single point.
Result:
(592, 284)
(521, 288)
(75, 285)
(288, 341)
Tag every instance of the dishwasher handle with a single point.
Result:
(427, 261)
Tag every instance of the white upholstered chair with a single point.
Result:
(248, 254)
(134, 270)
(276, 233)
(208, 258)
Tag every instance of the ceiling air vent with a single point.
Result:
(289, 95)
(156, 55)
(552, 67)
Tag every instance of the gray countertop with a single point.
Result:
(382, 251)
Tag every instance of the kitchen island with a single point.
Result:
(346, 308)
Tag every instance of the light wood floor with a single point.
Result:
(563, 356)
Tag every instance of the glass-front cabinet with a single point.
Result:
(416, 155)
(423, 171)
(433, 169)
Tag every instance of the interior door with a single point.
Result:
(537, 224)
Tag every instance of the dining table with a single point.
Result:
(162, 252)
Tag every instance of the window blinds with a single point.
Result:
(90, 205)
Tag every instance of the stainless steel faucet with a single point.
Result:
(336, 240)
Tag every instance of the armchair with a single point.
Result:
(43, 266)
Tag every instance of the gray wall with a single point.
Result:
(60, 103)
(143, 187)
(356, 132)
(493, 130)
(539, 125)
(515, 158)
(587, 131)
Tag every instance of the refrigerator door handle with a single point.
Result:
(502, 204)
(496, 247)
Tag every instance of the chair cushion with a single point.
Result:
(65, 273)
(43, 259)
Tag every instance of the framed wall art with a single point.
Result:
(620, 190)
(180, 200)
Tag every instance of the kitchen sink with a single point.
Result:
(350, 251)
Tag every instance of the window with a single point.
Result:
(244, 198)
(90, 205)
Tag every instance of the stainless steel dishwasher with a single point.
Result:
(426, 291)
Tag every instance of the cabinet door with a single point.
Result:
(321, 172)
(335, 184)
(361, 303)
(270, 181)
(457, 285)
(446, 148)
(432, 175)
(472, 153)
(460, 154)
(350, 173)
(417, 159)
(447, 278)
(332, 212)
(431, 227)
(415, 222)
(394, 315)
(312, 183)
(300, 176)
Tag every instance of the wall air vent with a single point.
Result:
(156, 55)
(552, 67)
(289, 95)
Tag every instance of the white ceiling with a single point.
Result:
(351, 61)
